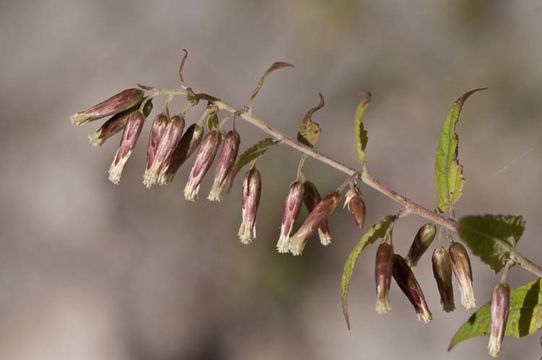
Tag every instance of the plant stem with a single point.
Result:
(410, 206)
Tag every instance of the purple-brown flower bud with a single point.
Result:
(463, 272)
(383, 273)
(157, 129)
(316, 217)
(292, 207)
(424, 237)
(311, 198)
(167, 144)
(404, 277)
(114, 105)
(116, 124)
(189, 143)
(225, 164)
(500, 304)
(251, 191)
(204, 158)
(355, 204)
(442, 270)
(127, 144)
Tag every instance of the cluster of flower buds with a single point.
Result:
(168, 146)
(164, 139)
(445, 262)
(388, 265)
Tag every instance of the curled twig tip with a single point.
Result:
(181, 67)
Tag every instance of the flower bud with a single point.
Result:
(410, 287)
(424, 237)
(188, 144)
(463, 272)
(500, 303)
(292, 207)
(157, 129)
(225, 164)
(311, 198)
(204, 158)
(442, 270)
(164, 150)
(355, 204)
(252, 189)
(383, 273)
(127, 144)
(316, 217)
(114, 105)
(116, 124)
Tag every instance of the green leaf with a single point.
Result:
(309, 131)
(448, 172)
(490, 237)
(377, 231)
(361, 134)
(524, 317)
(250, 154)
(212, 121)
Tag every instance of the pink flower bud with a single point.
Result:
(404, 277)
(226, 162)
(127, 144)
(204, 158)
(188, 144)
(252, 189)
(157, 129)
(383, 273)
(292, 207)
(355, 204)
(424, 237)
(311, 198)
(442, 271)
(167, 144)
(463, 272)
(116, 124)
(500, 304)
(114, 105)
(317, 216)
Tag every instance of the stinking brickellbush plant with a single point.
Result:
(492, 238)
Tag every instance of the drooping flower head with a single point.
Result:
(129, 139)
(292, 207)
(225, 164)
(404, 277)
(442, 271)
(383, 274)
(114, 105)
(250, 200)
(463, 272)
(204, 158)
(316, 217)
(424, 237)
(164, 150)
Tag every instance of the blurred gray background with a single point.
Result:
(89, 270)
